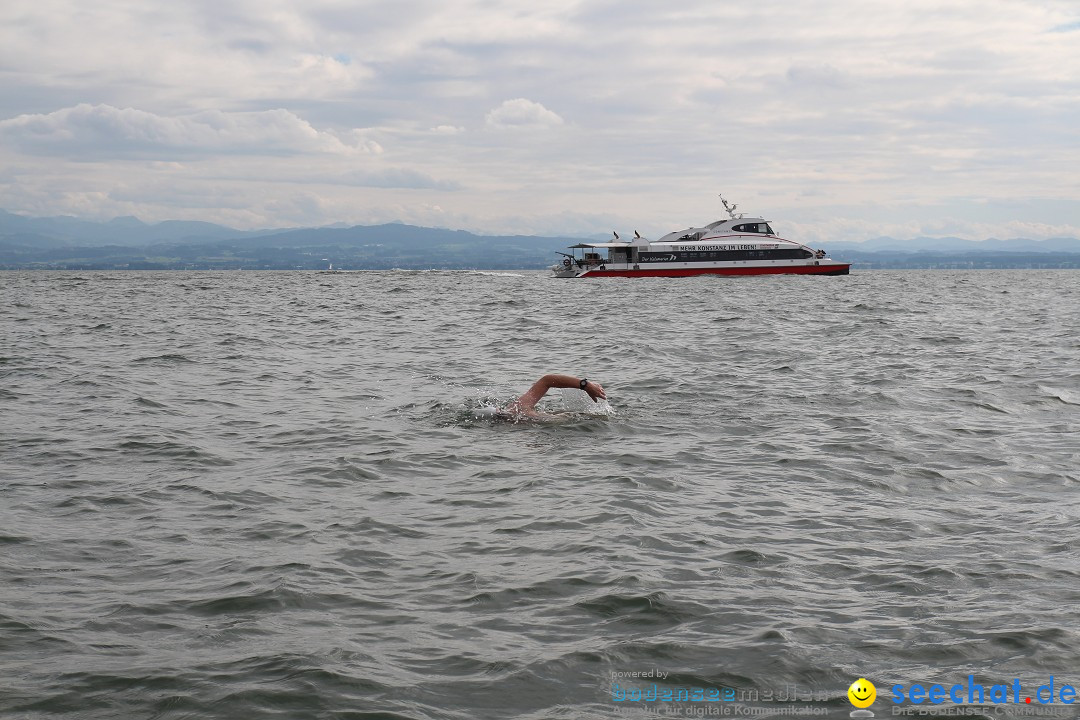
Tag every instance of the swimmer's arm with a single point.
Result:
(528, 401)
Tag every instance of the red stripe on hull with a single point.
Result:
(840, 269)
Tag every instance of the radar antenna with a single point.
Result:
(730, 207)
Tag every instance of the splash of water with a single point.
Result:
(579, 401)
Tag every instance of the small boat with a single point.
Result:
(736, 246)
(330, 270)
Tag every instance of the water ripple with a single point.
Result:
(270, 494)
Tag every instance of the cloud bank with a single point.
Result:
(841, 119)
(102, 131)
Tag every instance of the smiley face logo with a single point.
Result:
(862, 693)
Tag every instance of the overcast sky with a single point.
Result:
(835, 119)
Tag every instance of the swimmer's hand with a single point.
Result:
(595, 391)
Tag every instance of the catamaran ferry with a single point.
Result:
(737, 246)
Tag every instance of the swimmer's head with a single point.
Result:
(494, 413)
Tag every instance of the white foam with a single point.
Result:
(579, 401)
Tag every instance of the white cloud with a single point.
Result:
(319, 76)
(522, 113)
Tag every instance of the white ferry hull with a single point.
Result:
(820, 267)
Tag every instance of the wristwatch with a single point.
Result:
(583, 383)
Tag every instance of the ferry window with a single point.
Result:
(769, 230)
(750, 227)
(786, 254)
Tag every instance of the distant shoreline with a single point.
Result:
(883, 264)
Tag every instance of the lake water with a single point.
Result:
(248, 495)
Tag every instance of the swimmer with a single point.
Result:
(526, 404)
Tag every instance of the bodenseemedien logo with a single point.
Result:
(862, 694)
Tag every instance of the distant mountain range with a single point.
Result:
(129, 243)
(124, 231)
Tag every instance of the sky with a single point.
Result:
(838, 120)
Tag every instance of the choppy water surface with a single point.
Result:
(244, 495)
